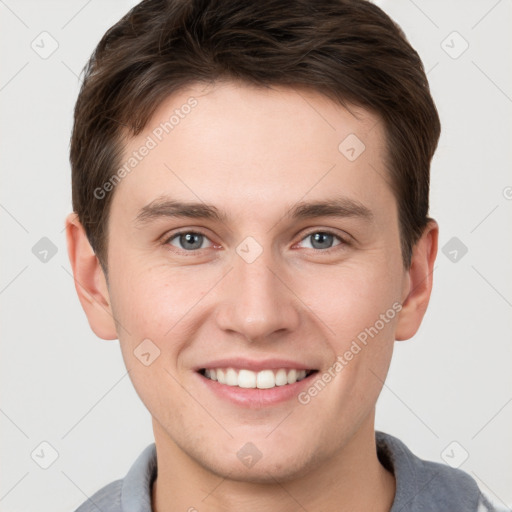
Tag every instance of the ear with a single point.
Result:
(418, 283)
(90, 282)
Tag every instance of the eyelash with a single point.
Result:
(343, 241)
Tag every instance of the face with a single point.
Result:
(256, 243)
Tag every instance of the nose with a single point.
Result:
(258, 303)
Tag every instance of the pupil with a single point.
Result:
(322, 240)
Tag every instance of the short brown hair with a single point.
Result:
(347, 50)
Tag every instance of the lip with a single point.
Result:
(254, 398)
(240, 363)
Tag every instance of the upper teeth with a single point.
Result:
(248, 379)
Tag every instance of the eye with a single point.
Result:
(189, 241)
(321, 240)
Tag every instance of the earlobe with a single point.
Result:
(90, 282)
(418, 283)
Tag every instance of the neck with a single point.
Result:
(352, 479)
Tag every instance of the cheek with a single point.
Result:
(148, 306)
(154, 307)
(151, 302)
(349, 299)
(357, 310)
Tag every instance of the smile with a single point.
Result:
(248, 379)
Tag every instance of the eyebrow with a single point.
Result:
(169, 208)
(166, 207)
(337, 207)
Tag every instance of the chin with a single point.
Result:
(262, 472)
(247, 463)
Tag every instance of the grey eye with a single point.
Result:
(188, 241)
(321, 240)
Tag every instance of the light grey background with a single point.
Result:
(62, 385)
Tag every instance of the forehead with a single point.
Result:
(241, 147)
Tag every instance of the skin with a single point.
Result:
(254, 153)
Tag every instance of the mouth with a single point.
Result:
(263, 379)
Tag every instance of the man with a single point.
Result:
(250, 193)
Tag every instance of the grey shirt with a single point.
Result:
(421, 485)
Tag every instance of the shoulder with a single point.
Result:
(107, 499)
(427, 485)
(133, 492)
